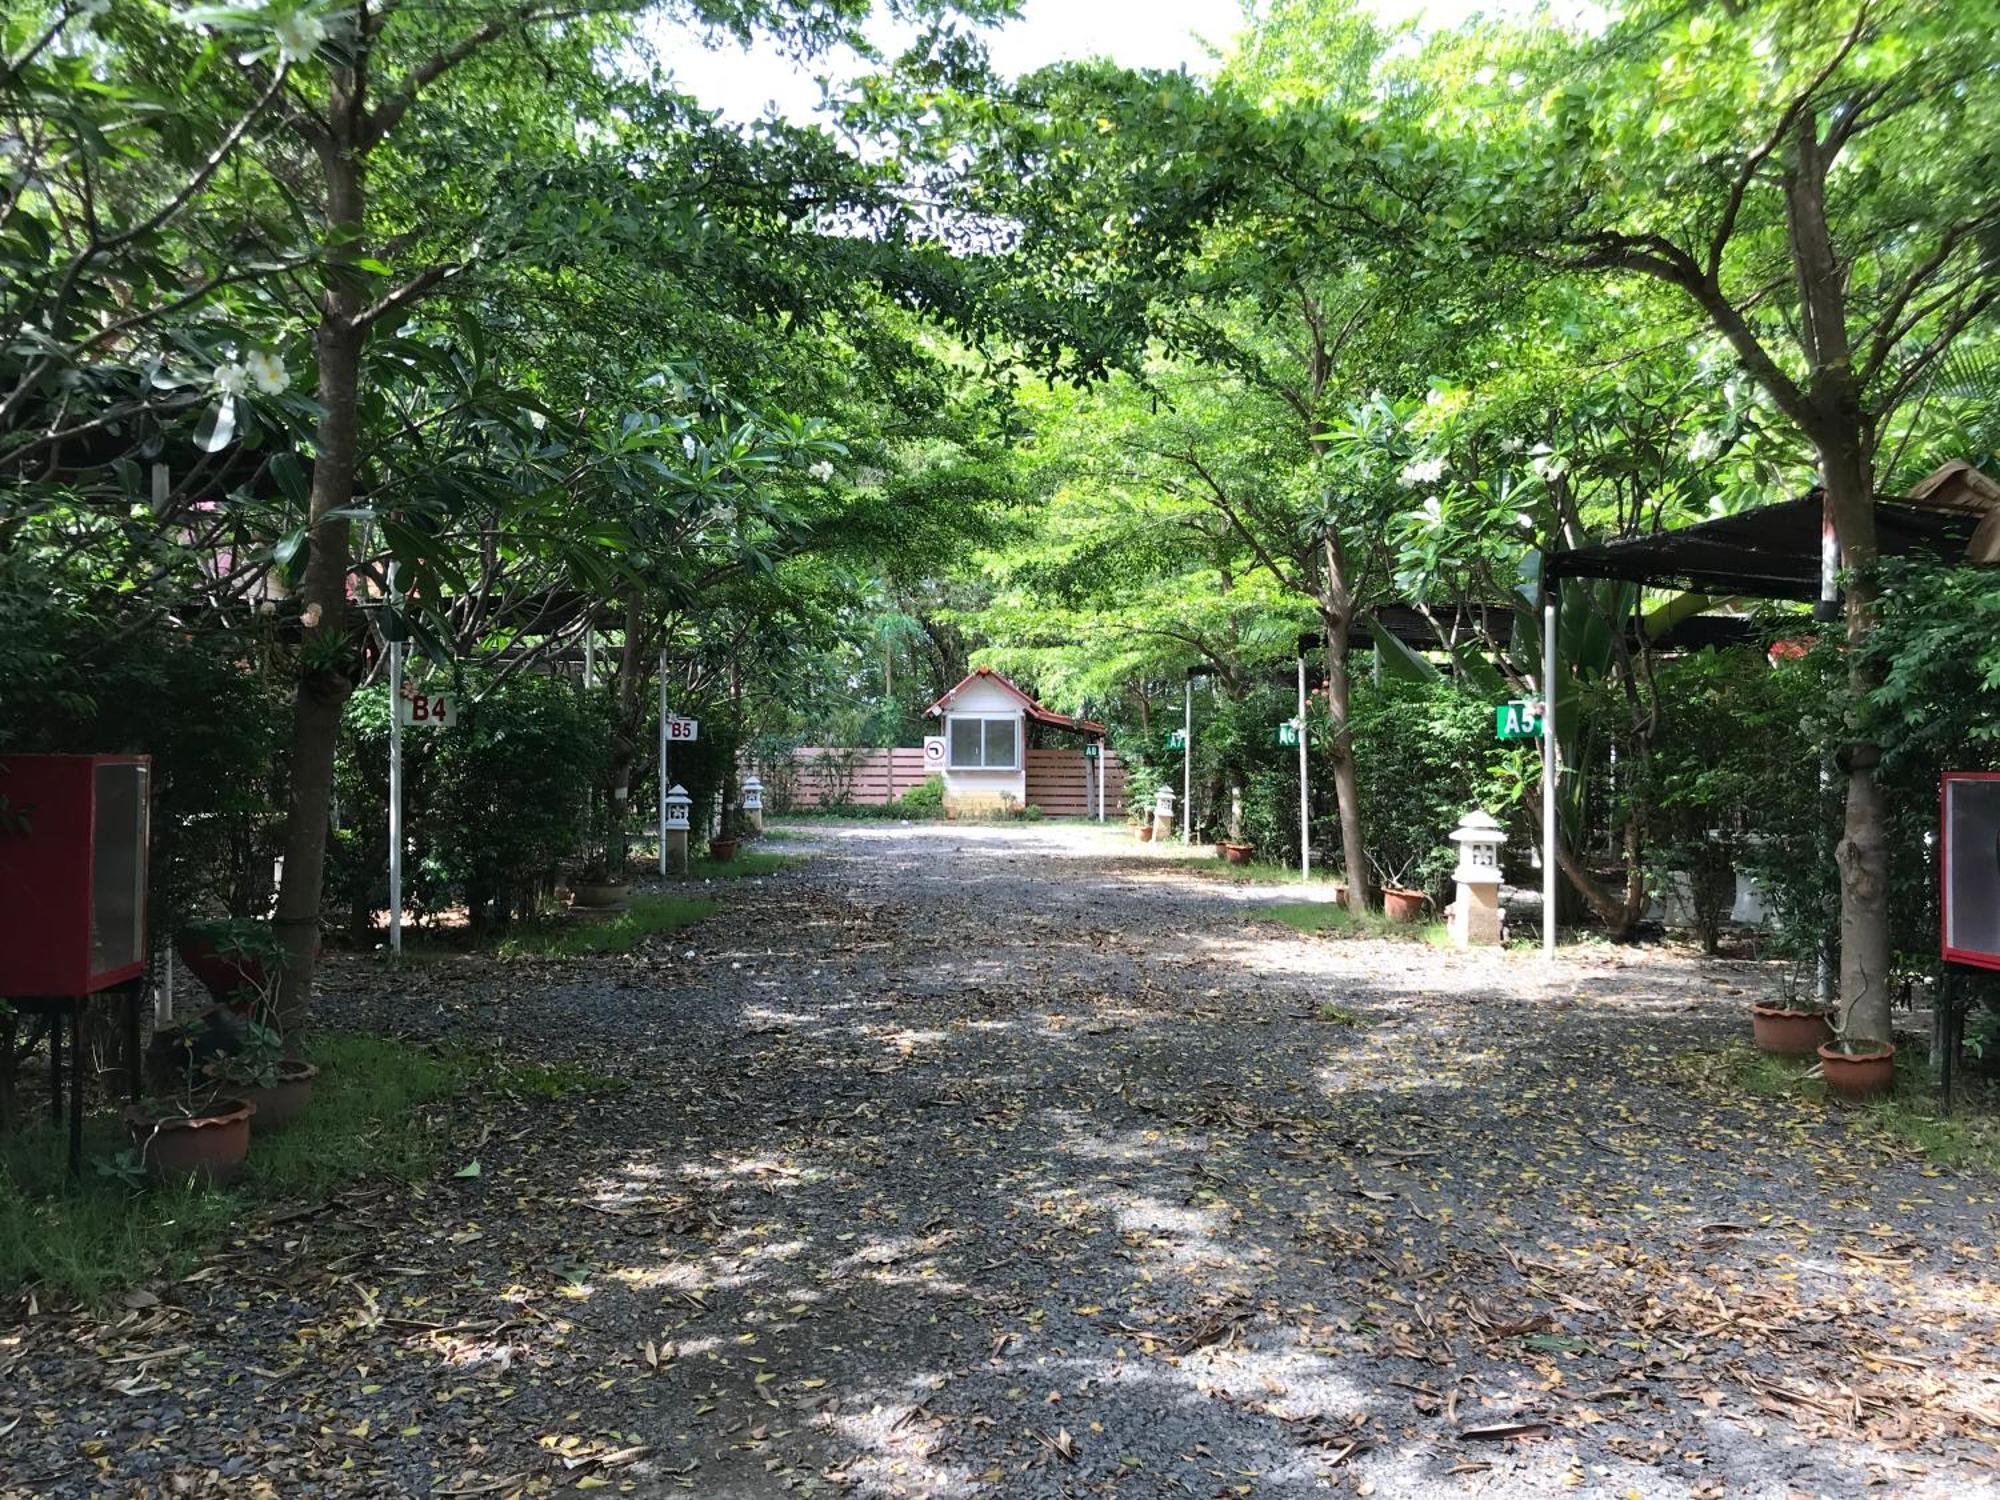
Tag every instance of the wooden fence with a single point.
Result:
(1062, 783)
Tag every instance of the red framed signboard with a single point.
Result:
(1969, 836)
(73, 845)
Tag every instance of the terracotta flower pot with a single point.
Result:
(722, 851)
(1340, 894)
(1145, 833)
(1789, 1033)
(285, 1100)
(1858, 1076)
(234, 979)
(598, 895)
(1238, 854)
(209, 1143)
(1401, 905)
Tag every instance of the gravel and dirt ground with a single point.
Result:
(1019, 1162)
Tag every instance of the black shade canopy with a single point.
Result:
(1771, 552)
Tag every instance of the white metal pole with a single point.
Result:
(1103, 751)
(395, 769)
(663, 760)
(1305, 795)
(590, 656)
(1550, 753)
(1187, 766)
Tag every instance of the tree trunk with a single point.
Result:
(1863, 852)
(1346, 780)
(325, 667)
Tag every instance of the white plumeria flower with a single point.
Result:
(1433, 513)
(1513, 444)
(822, 471)
(1421, 471)
(298, 35)
(268, 372)
(1704, 447)
(232, 378)
(537, 420)
(1550, 467)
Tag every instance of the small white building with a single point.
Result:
(982, 752)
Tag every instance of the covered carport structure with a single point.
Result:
(1783, 551)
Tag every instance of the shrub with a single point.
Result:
(925, 797)
(493, 806)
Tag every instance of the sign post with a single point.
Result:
(395, 767)
(1305, 791)
(1550, 750)
(663, 761)
(1187, 764)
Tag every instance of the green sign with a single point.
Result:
(1288, 735)
(1518, 720)
(1090, 752)
(1177, 740)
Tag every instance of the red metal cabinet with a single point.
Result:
(73, 831)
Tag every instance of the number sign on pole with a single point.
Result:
(418, 710)
(682, 731)
(1517, 720)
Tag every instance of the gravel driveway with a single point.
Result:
(1025, 1162)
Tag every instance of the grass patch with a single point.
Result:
(1324, 917)
(370, 1117)
(754, 862)
(580, 937)
(1910, 1114)
(1308, 916)
(1336, 1015)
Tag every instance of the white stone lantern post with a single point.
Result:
(753, 806)
(674, 833)
(1163, 815)
(1475, 915)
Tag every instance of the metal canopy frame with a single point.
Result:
(1780, 551)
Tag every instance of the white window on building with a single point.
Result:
(982, 744)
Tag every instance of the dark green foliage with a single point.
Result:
(205, 707)
(494, 806)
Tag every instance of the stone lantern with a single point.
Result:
(1475, 915)
(1163, 815)
(674, 836)
(753, 806)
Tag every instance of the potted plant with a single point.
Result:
(1791, 1025)
(598, 884)
(722, 850)
(190, 1133)
(1400, 903)
(1237, 853)
(1856, 1069)
(237, 959)
(276, 1086)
